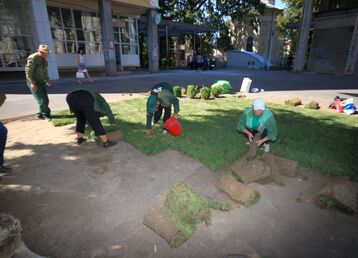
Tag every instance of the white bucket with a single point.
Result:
(246, 84)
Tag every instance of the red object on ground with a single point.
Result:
(338, 105)
(173, 126)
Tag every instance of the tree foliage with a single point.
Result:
(188, 11)
(288, 22)
(215, 13)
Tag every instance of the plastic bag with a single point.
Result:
(349, 109)
(224, 85)
(80, 75)
(347, 102)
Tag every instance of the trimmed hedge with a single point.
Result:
(183, 91)
(177, 91)
(205, 92)
(191, 91)
(216, 91)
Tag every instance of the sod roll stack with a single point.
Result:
(183, 210)
(159, 222)
(238, 192)
(251, 171)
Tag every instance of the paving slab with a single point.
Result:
(83, 201)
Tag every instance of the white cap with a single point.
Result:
(258, 104)
(157, 90)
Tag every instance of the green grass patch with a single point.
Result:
(188, 208)
(222, 206)
(317, 139)
(62, 118)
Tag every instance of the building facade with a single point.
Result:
(328, 37)
(67, 26)
(264, 39)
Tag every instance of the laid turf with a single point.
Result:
(321, 140)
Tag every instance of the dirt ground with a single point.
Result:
(88, 202)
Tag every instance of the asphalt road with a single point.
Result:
(269, 81)
(20, 102)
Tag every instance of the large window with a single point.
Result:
(126, 35)
(129, 37)
(15, 33)
(73, 29)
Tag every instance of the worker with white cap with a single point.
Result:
(258, 119)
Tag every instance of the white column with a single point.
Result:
(105, 10)
(153, 48)
(305, 27)
(353, 52)
(42, 30)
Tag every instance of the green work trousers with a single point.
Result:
(40, 94)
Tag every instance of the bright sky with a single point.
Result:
(279, 4)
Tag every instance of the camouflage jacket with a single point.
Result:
(36, 68)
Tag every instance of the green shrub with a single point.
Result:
(177, 91)
(216, 91)
(183, 91)
(191, 91)
(188, 208)
(205, 92)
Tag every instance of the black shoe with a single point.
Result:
(48, 117)
(81, 140)
(108, 144)
(40, 116)
(5, 170)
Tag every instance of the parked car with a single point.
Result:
(201, 62)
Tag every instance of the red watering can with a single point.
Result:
(173, 126)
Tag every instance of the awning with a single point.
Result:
(139, 3)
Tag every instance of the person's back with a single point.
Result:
(82, 59)
(166, 97)
(100, 105)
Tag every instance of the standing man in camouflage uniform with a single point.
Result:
(37, 80)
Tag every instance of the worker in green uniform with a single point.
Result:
(88, 106)
(37, 80)
(161, 98)
(258, 119)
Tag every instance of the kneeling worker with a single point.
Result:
(258, 119)
(162, 97)
(88, 106)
